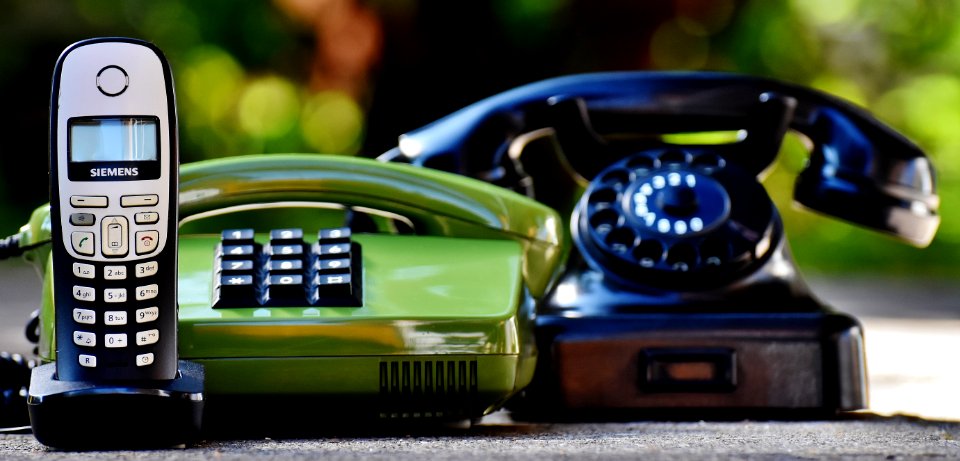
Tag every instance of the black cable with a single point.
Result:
(32, 332)
(14, 368)
(10, 247)
(14, 382)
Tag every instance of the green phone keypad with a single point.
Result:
(287, 271)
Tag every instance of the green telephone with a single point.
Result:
(436, 318)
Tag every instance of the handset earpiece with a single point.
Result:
(863, 172)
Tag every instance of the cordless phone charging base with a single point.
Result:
(86, 415)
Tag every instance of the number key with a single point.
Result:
(81, 293)
(114, 272)
(85, 271)
(148, 314)
(147, 292)
(115, 295)
(240, 265)
(115, 340)
(237, 251)
(145, 269)
(236, 236)
(115, 318)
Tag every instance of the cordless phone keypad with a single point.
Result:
(112, 308)
(287, 271)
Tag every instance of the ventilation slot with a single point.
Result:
(427, 389)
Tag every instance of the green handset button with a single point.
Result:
(82, 242)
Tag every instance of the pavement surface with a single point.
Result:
(912, 339)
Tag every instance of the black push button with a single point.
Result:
(237, 252)
(237, 289)
(285, 289)
(333, 285)
(335, 250)
(333, 266)
(337, 235)
(236, 267)
(287, 251)
(237, 237)
(82, 219)
(286, 236)
(278, 266)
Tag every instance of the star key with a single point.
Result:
(235, 290)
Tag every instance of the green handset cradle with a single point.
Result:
(434, 320)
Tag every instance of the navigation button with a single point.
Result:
(82, 242)
(88, 201)
(114, 231)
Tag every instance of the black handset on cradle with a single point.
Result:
(681, 293)
(113, 209)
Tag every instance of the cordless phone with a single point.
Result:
(113, 209)
(113, 191)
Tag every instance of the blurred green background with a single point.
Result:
(348, 77)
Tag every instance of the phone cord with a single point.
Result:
(10, 247)
(14, 381)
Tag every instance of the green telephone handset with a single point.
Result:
(434, 317)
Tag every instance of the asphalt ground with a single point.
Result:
(912, 330)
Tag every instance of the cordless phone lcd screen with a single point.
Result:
(113, 139)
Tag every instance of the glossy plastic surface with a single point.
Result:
(457, 296)
(860, 170)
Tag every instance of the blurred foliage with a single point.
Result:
(349, 76)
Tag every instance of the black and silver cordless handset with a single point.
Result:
(113, 211)
(113, 198)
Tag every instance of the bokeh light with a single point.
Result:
(349, 76)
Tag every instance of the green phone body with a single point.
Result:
(445, 326)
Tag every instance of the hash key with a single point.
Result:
(333, 285)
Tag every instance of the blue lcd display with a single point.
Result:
(113, 139)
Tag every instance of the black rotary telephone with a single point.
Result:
(680, 293)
